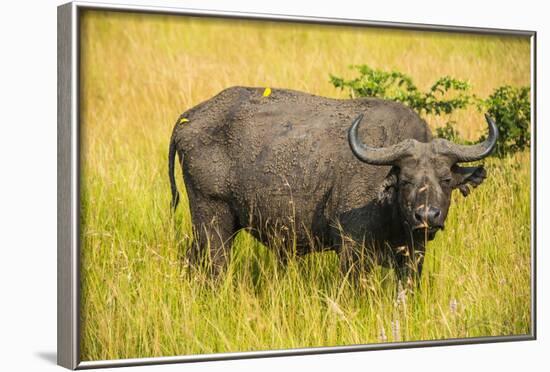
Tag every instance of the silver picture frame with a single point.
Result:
(68, 200)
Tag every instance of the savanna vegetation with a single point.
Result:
(139, 72)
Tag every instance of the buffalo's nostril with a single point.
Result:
(433, 215)
(428, 215)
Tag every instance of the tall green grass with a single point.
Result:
(138, 298)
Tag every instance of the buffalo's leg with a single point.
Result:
(214, 230)
(354, 261)
(409, 265)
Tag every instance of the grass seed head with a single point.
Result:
(396, 330)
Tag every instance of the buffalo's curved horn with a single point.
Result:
(466, 153)
(376, 155)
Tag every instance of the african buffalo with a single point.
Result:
(362, 177)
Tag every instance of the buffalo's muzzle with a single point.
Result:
(428, 218)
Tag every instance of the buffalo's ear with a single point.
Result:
(464, 177)
(388, 188)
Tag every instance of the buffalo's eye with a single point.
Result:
(446, 181)
(405, 182)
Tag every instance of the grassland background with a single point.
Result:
(139, 72)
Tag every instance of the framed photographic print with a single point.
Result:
(235, 185)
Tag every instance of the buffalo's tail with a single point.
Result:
(171, 159)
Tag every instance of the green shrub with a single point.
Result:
(397, 86)
(511, 109)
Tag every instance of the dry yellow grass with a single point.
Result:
(139, 72)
